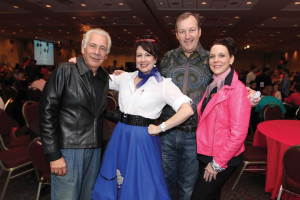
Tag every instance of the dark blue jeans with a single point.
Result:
(82, 170)
(180, 164)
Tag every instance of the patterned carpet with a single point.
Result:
(250, 187)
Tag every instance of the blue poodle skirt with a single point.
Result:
(132, 167)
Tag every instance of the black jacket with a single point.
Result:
(68, 114)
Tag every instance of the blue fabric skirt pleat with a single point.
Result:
(135, 156)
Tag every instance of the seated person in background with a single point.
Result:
(253, 85)
(276, 92)
(38, 84)
(268, 98)
(294, 98)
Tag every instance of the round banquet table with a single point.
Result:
(277, 136)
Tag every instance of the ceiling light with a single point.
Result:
(248, 46)
(249, 2)
(297, 3)
(204, 3)
(46, 18)
(121, 4)
(237, 17)
(48, 6)
(230, 24)
(262, 24)
(161, 3)
(36, 37)
(295, 25)
(59, 30)
(114, 23)
(15, 6)
(14, 33)
(134, 17)
(274, 17)
(124, 30)
(167, 17)
(103, 17)
(83, 5)
(73, 17)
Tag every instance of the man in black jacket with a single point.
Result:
(72, 110)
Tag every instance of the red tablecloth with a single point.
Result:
(277, 136)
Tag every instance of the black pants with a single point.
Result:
(211, 190)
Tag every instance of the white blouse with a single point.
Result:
(148, 100)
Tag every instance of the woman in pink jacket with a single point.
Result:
(224, 114)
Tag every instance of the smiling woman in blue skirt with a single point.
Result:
(132, 168)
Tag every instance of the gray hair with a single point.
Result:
(99, 31)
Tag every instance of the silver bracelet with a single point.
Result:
(216, 167)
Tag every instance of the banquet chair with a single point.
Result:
(272, 111)
(16, 162)
(41, 165)
(30, 111)
(9, 106)
(297, 114)
(6, 139)
(255, 156)
(291, 175)
(111, 103)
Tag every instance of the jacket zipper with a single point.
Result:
(213, 140)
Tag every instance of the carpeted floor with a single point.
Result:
(250, 187)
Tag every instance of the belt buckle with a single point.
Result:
(124, 118)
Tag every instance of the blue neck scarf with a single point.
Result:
(154, 72)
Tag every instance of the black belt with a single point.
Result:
(186, 128)
(135, 120)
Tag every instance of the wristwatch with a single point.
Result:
(163, 127)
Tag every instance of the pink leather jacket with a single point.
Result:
(223, 125)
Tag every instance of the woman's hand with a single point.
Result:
(209, 173)
(73, 60)
(154, 130)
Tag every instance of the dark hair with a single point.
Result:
(185, 15)
(149, 45)
(268, 90)
(229, 43)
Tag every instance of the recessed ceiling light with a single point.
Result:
(48, 6)
(249, 2)
(133, 16)
(73, 17)
(36, 37)
(14, 33)
(230, 24)
(274, 17)
(297, 3)
(125, 30)
(103, 17)
(262, 24)
(161, 3)
(83, 5)
(114, 23)
(15, 6)
(224, 31)
(203, 2)
(59, 30)
(167, 16)
(46, 18)
(237, 17)
(121, 4)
